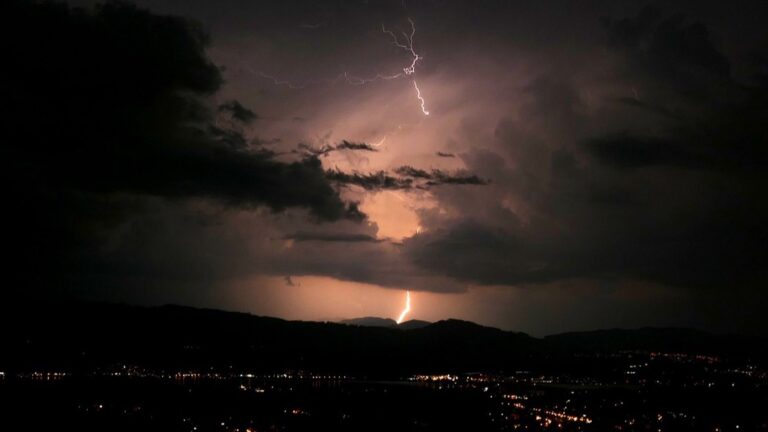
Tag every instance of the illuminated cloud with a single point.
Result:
(618, 146)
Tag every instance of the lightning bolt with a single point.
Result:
(380, 142)
(279, 82)
(406, 309)
(405, 45)
(421, 99)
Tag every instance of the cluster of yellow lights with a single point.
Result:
(515, 397)
(446, 377)
(562, 416)
(47, 375)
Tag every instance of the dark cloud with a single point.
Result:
(476, 252)
(331, 237)
(409, 171)
(445, 155)
(712, 121)
(631, 151)
(406, 177)
(673, 50)
(115, 101)
(238, 111)
(327, 149)
(346, 145)
(647, 106)
(371, 181)
(677, 203)
(259, 142)
(438, 177)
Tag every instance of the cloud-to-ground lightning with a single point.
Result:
(407, 71)
(421, 99)
(407, 308)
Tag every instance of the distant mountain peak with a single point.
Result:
(371, 322)
(385, 322)
(413, 324)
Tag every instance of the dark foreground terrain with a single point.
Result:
(107, 367)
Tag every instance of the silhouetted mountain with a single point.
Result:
(84, 336)
(371, 322)
(682, 340)
(88, 336)
(413, 324)
(386, 322)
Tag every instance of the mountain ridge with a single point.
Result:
(371, 321)
(88, 335)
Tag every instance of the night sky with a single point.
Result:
(583, 164)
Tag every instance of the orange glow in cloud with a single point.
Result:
(392, 213)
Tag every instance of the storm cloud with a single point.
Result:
(680, 205)
(116, 101)
(113, 100)
(607, 147)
